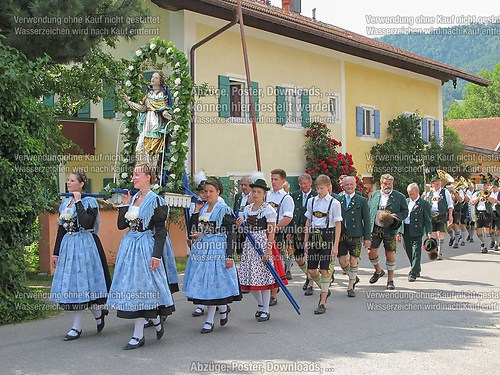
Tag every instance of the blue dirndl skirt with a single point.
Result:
(169, 263)
(136, 290)
(207, 281)
(79, 278)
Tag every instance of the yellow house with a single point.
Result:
(301, 71)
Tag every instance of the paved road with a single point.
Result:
(447, 322)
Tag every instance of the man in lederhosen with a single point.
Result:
(484, 210)
(300, 198)
(355, 230)
(322, 235)
(387, 208)
(441, 211)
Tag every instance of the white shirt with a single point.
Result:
(384, 198)
(436, 197)
(321, 204)
(481, 205)
(287, 206)
(265, 210)
(411, 205)
(494, 196)
(305, 195)
(244, 200)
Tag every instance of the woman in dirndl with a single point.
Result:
(81, 278)
(140, 287)
(260, 219)
(210, 278)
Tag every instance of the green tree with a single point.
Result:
(402, 154)
(68, 30)
(479, 102)
(30, 142)
(447, 156)
(407, 157)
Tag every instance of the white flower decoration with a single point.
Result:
(66, 216)
(173, 143)
(138, 52)
(152, 46)
(176, 128)
(124, 175)
(172, 176)
(177, 81)
(176, 93)
(156, 186)
(177, 65)
(169, 185)
(129, 114)
(131, 215)
(169, 50)
(177, 110)
(131, 67)
(126, 145)
(174, 159)
(128, 83)
(125, 130)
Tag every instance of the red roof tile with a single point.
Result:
(478, 132)
(352, 43)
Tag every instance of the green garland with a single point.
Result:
(181, 88)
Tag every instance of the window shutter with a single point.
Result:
(425, 136)
(48, 100)
(224, 101)
(293, 181)
(377, 123)
(226, 193)
(359, 121)
(108, 105)
(436, 129)
(255, 96)
(84, 112)
(280, 105)
(304, 103)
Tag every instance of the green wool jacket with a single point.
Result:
(356, 216)
(420, 219)
(396, 205)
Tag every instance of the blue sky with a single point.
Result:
(382, 17)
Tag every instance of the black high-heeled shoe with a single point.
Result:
(70, 337)
(140, 342)
(208, 330)
(159, 334)
(100, 326)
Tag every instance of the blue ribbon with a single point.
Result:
(83, 195)
(270, 267)
(124, 191)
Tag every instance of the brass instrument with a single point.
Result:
(445, 177)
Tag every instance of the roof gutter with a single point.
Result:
(192, 63)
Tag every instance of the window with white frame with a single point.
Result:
(293, 106)
(368, 122)
(427, 128)
(238, 99)
(333, 107)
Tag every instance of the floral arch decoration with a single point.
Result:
(180, 84)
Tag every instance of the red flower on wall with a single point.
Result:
(322, 157)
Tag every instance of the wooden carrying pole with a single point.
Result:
(249, 86)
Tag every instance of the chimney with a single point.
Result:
(286, 5)
(314, 14)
